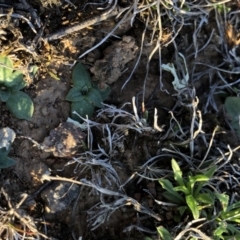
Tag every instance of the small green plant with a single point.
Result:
(7, 137)
(228, 219)
(11, 82)
(225, 223)
(193, 198)
(200, 200)
(85, 95)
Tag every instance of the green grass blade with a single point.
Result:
(201, 179)
(224, 199)
(182, 209)
(164, 233)
(233, 216)
(182, 189)
(205, 198)
(193, 205)
(177, 173)
(222, 228)
(170, 194)
(233, 206)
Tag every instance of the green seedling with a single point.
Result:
(191, 195)
(164, 233)
(11, 82)
(232, 107)
(85, 95)
(188, 192)
(7, 137)
(228, 219)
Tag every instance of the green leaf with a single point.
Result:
(234, 218)
(233, 215)
(220, 230)
(232, 107)
(224, 199)
(209, 173)
(174, 198)
(197, 178)
(182, 209)
(81, 77)
(104, 91)
(8, 77)
(6, 68)
(170, 194)
(233, 206)
(4, 152)
(193, 205)
(164, 233)
(181, 189)
(15, 81)
(75, 94)
(232, 237)
(205, 198)
(95, 98)
(6, 162)
(233, 229)
(20, 105)
(83, 108)
(4, 94)
(177, 173)
(85, 90)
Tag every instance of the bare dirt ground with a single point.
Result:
(60, 209)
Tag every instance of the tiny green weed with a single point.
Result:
(193, 199)
(228, 219)
(11, 82)
(192, 194)
(85, 95)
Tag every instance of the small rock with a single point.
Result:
(111, 67)
(7, 136)
(65, 140)
(45, 111)
(30, 172)
(58, 198)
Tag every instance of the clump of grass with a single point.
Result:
(15, 223)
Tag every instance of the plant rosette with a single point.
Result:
(84, 95)
(188, 192)
(11, 82)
